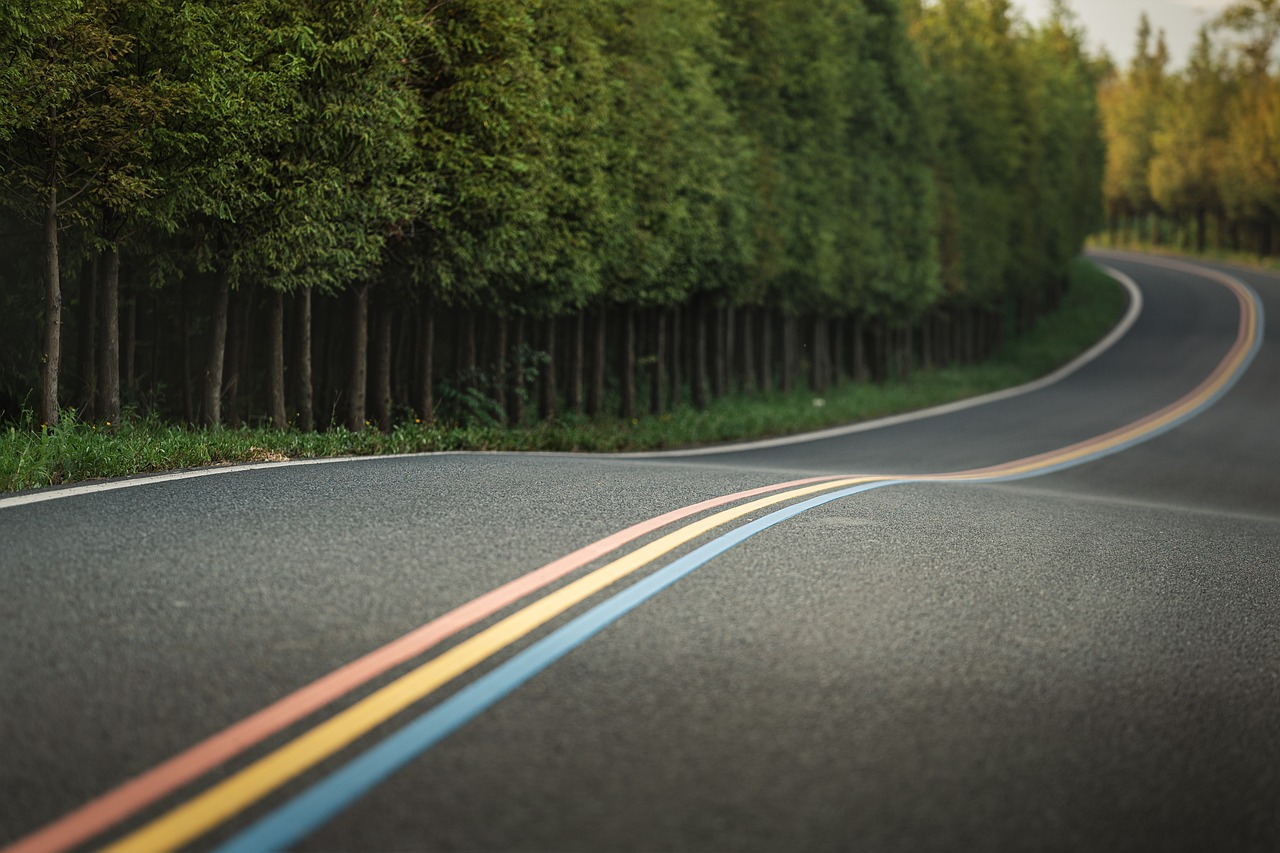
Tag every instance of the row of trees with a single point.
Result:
(1194, 156)
(321, 213)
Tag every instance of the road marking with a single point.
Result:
(316, 805)
(165, 778)
(245, 787)
(1228, 371)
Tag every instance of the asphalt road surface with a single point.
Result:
(1076, 652)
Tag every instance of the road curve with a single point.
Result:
(1073, 643)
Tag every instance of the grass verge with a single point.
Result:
(74, 450)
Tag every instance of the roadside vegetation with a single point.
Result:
(76, 450)
(1193, 156)
(312, 215)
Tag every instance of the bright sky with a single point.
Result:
(1113, 24)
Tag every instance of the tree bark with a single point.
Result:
(628, 362)
(358, 384)
(212, 400)
(577, 373)
(839, 373)
(595, 400)
(88, 340)
(184, 331)
(518, 392)
(674, 356)
(469, 357)
(129, 348)
(548, 384)
(305, 390)
(860, 372)
(766, 350)
(698, 372)
(239, 314)
(719, 375)
(658, 381)
(109, 338)
(275, 359)
(790, 365)
(748, 345)
(818, 357)
(426, 362)
(51, 361)
(382, 359)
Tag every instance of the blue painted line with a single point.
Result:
(314, 807)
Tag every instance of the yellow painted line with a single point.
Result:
(217, 804)
(233, 795)
(1225, 372)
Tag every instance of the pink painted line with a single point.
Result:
(114, 806)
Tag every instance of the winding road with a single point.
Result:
(1048, 621)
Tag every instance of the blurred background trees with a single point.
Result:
(1193, 157)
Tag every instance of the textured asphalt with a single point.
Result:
(1088, 660)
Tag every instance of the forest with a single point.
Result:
(1193, 158)
(351, 213)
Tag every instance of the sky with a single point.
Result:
(1113, 24)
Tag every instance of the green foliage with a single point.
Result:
(1192, 157)
(840, 158)
(1019, 154)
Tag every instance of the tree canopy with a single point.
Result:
(683, 177)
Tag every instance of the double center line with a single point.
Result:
(297, 818)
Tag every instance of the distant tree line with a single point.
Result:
(355, 211)
(1194, 156)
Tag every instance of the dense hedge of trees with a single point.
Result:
(1194, 156)
(315, 214)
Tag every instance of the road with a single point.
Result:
(1076, 652)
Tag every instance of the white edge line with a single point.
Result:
(147, 479)
(1126, 322)
(1121, 329)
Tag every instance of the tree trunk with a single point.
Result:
(239, 312)
(658, 381)
(595, 400)
(305, 392)
(577, 371)
(358, 384)
(699, 366)
(675, 385)
(860, 371)
(129, 348)
(383, 318)
(766, 350)
(109, 338)
(839, 372)
(212, 401)
(88, 340)
(275, 360)
(184, 332)
(518, 391)
(469, 357)
(719, 342)
(51, 361)
(747, 364)
(426, 362)
(628, 362)
(790, 363)
(549, 390)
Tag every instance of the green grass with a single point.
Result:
(74, 450)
